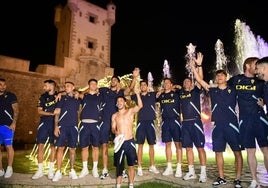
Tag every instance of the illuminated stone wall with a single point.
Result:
(27, 86)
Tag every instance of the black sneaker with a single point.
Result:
(220, 181)
(237, 184)
(125, 175)
(104, 175)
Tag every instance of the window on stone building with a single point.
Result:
(90, 44)
(92, 19)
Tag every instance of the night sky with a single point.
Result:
(144, 35)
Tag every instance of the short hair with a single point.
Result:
(92, 80)
(122, 97)
(69, 82)
(263, 60)
(144, 81)
(116, 77)
(249, 61)
(188, 78)
(50, 82)
(166, 78)
(2, 80)
(221, 71)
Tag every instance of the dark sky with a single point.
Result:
(144, 35)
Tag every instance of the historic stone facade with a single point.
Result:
(82, 52)
(27, 86)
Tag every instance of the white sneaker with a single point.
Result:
(189, 176)
(72, 174)
(254, 184)
(9, 172)
(83, 173)
(203, 178)
(139, 171)
(57, 176)
(95, 173)
(178, 173)
(50, 174)
(2, 172)
(37, 175)
(153, 169)
(168, 171)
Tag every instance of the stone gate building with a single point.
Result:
(82, 52)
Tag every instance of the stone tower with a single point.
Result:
(82, 52)
(83, 42)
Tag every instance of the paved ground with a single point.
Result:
(19, 180)
(24, 180)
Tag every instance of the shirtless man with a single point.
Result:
(122, 125)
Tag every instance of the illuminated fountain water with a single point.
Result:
(150, 81)
(166, 72)
(247, 44)
(166, 69)
(189, 56)
(221, 59)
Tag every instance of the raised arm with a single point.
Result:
(199, 78)
(198, 64)
(198, 67)
(135, 74)
(139, 105)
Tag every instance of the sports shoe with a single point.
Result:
(2, 172)
(167, 172)
(72, 174)
(178, 173)
(189, 176)
(95, 173)
(203, 178)
(57, 176)
(254, 184)
(9, 172)
(139, 171)
(237, 184)
(220, 181)
(153, 169)
(125, 175)
(104, 174)
(50, 174)
(84, 172)
(37, 175)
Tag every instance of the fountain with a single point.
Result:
(166, 69)
(221, 59)
(247, 44)
(166, 73)
(150, 81)
(189, 56)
